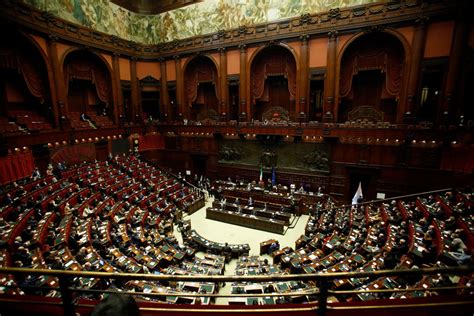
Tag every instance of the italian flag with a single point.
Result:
(261, 174)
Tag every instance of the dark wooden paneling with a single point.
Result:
(394, 170)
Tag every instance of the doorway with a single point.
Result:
(199, 164)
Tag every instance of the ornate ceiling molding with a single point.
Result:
(340, 20)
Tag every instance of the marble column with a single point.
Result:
(418, 49)
(118, 101)
(458, 47)
(60, 106)
(223, 89)
(303, 80)
(135, 91)
(330, 83)
(164, 97)
(244, 102)
(182, 109)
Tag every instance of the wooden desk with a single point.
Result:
(265, 245)
(196, 205)
(251, 221)
(207, 245)
(275, 199)
(279, 253)
(382, 283)
(253, 210)
(259, 195)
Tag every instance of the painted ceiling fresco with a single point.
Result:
(205, 17)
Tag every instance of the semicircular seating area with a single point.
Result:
(122, 215)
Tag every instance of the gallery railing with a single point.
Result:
(322, 291)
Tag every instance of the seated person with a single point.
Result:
(36, 174)
(227, 252)
(459, 251)
(223, 202)
(269, 184)
(118, 305)
(88, 211)
(273, 247)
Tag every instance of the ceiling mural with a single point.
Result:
(202, 18)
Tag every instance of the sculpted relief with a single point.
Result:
(230, 154)
(289, 156)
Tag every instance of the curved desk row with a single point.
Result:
(246, 220)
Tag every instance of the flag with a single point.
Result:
(273, 176)
(358, 195)
(261, 174)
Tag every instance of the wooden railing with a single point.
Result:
(322, 291)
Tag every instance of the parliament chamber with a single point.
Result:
(184, 157)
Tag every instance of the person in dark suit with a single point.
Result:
(118, 305)
(7, 200)
(273, 247)
(227, 252)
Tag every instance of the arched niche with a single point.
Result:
(371, 76)
(24, 84)
(201, 88)
(273, 77)
(150, 98)
(88, 88)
